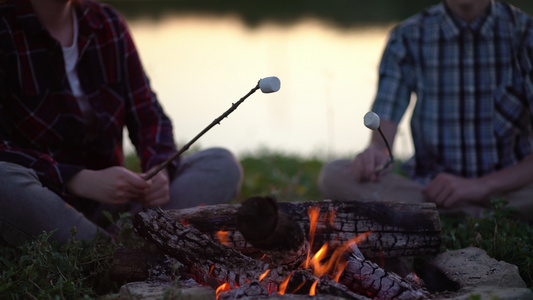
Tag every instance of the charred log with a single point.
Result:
(268, 229)
(369, 279)
(399, 229)
(213, 263)
(209, 261)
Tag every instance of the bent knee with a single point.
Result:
(334, 171)
(226, 162)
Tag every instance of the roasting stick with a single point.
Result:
(267, 85)
(372, 122)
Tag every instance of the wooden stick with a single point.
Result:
(188, 145)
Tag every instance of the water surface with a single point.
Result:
(200, 65)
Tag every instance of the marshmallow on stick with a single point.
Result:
(371, 120)
(269, 84)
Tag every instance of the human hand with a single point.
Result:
(447, 190)
(158, 193)
(114, 185)
(367, 164)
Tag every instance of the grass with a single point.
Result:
(80, 270)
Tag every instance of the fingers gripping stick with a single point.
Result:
(372, 121)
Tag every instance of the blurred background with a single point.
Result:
(203, 55)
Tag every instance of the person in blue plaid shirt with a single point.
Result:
(70, 81)
(470, 65)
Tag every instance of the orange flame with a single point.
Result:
(223, 237)
(322, 262)
(264, 275)
(312, 290)
(184, 222)
(224, 287)
(331, 218)
(299, 287)
(313, 213)
(283, 285)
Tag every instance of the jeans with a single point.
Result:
(27, 208)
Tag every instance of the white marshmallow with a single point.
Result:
(269, 84)
(371, 120)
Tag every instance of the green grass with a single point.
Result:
(80, 270)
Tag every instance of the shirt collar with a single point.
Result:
(28, 20)
(26, 17)
(452, 25)
(88, 15)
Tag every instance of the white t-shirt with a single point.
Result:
(70, 55)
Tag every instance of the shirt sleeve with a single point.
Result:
(396, 77)
(525, 60)
(150, 129)
(51, 173)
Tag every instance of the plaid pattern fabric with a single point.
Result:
(41, 125)
(474, 95)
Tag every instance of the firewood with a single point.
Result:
(213, 263)
(398, 229)
(366, 277)
(299, 284)
(209, 261)
(268, 229)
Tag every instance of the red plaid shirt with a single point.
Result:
(41, 125)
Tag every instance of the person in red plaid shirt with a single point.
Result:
(70, 81)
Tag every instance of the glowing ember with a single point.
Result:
(223, 237)
(415, 277)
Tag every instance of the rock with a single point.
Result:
(477, 274)
(165, 290)
(491, 292)
(473, 267)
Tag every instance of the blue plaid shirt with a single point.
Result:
(473, 86)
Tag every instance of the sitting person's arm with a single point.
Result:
(447, 190)
(376, 154)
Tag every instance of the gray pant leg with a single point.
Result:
(337, 181)
(27, 209)
(208, 177)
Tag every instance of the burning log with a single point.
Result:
(366, 277)
(399, 229)
(267, 228)
(207, 260)
(301, 282)
(213, 263)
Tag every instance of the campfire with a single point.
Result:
(261, 248)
